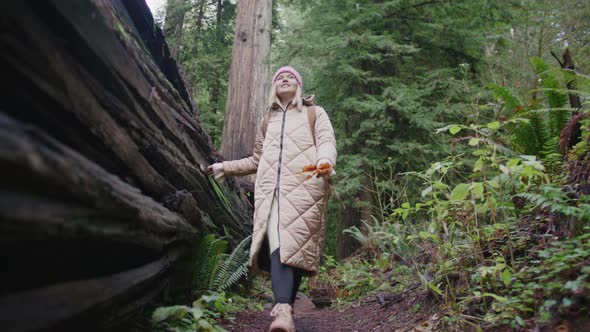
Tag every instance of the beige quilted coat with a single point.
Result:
(277, 159)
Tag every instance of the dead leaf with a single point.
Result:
(324, 169)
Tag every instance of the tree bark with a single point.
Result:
(249, 80)
(218, 16)
(200, 16)
(175, 12)
(54, 306)
(347, 245)
(571, 134)
(568, 63)
(103, 166)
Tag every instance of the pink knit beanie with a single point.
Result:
(291, 70)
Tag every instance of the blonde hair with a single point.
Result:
(274, 98)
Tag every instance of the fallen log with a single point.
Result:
(67, 195)
(83, 75)
(102, 167)
(51, 308)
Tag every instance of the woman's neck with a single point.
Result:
(285, 103)
(285, 99)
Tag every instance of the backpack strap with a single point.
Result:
(311, 115)
(264, 124)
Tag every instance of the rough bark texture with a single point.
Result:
(249, 80)
(102, 167)
(174, 20)
(571, 134)
(346, 219)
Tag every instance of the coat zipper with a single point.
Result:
(277, 186)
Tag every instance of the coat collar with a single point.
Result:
(307, 101)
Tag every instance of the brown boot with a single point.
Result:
(283, 318)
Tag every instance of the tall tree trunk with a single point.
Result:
(249, 80)
(568, 63)
(219, 11)
(200, 17)
(571, 133)
(175, 12)
(346, 243)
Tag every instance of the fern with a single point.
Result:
(543, 111)
(556, 98)
(209, 255)
(551, 155)
(557, 201)
(507, 96)
(529, 136)
(234, 267)
(539, 134)
(214, 269)
(584, 94)
(579, 83)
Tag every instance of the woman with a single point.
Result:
(289, 216)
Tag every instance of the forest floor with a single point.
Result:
(408, 311)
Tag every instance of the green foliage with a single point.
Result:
(200, 317)
(469, 215)
(214, 273)
(553, 281)
(528, 136)
(374, 237)
(210, 252)
(466, 221)
(359, 277)
(234, 266)
(539, 133)
(204, 43)
(557, 201)
(386, 89)
(215, 270)
(556, 97)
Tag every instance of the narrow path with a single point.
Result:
(411, 313)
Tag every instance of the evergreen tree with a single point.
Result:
(389, 73)
(204, 51)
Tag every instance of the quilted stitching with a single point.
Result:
(301, 201)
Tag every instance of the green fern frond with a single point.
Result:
(577, 80)
(550, 148)
(585, 94)
(201, 249)
(508, 97)
(233, 268)
(528, 137)
(552, 110)
(556, 200)
(207, 264)
(214, 263)
(550, 82)
(555, 95)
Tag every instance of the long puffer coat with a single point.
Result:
(278, 159)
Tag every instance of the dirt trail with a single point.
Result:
(411, 313)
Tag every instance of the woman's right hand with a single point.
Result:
(217, 171)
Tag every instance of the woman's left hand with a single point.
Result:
(322, 162)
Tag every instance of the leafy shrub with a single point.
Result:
(200, 317)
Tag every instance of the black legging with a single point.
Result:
(285, 280)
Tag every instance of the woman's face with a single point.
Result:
(286, 86)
